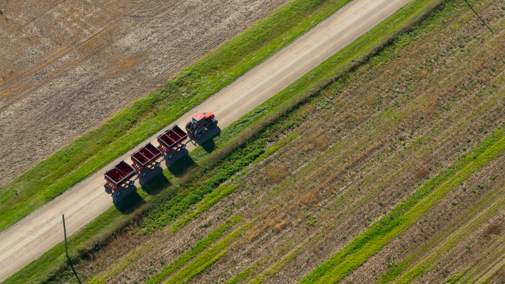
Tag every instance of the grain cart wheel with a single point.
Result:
(199, 132)
(214, 123)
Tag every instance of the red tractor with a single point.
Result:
(200, 121)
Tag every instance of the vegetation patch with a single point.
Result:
(339, 265)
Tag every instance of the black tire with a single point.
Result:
(199, 133)
(189, 126)
(213, 123)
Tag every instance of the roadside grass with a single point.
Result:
(284, 102)
(129, 127)
(403, 215)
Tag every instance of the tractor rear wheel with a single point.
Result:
(213, 123)
(189, 126)
(199, 132)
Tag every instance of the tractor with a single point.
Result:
(200, 121)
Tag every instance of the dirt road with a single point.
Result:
(66, 66)
(41, 230)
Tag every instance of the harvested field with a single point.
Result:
(402, 180)
(67, 66)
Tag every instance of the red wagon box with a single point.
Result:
(145, 157)
(118, 176)
(172, 138)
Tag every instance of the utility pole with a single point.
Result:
(478, 16)
(66, 248)
(65, 234)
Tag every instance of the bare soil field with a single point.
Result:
(67, 66)
(414, 118)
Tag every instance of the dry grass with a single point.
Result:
(308, 198)
(493, 229)
(277, 174)
(421, 173)
(321, 142)
(430, 106)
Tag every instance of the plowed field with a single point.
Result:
(67, 66)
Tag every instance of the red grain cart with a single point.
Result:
(145, 157)
(118, 176)
(172, 139)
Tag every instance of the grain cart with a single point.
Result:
(200, 121)
(145, 157)
(118, 176)
(172, 139)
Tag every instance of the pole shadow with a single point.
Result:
(73, 270)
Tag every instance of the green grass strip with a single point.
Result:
(199, 247)
(402, 216)
(207, 258)
(242, 275)
(133, 125)
(424, 265)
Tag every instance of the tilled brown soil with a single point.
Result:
(66, 66)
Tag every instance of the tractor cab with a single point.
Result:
(201, 118)
(196, 126)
